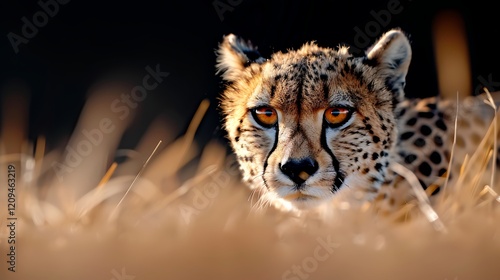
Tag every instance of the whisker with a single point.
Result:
(342, 181)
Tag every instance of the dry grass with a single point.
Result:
(140, 220)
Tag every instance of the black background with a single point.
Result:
(87, 40)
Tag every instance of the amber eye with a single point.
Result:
(265, 116)
(336, 116)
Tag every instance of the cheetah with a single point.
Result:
(318, 125)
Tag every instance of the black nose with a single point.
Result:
(298, 170)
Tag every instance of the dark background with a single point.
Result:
(87, 40)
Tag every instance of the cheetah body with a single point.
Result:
(318, 124)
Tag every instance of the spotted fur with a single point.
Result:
(302, 160)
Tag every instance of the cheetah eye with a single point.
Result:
(265, 116)
(337, 116)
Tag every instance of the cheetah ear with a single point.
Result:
(234, 55)
(391, 54)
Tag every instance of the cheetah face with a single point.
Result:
(314, 124)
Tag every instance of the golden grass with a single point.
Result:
(140, 220)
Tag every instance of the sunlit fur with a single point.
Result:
(354, 157)
(301, 85)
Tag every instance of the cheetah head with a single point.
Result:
(314, 124)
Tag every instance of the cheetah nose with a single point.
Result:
(299, 170)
